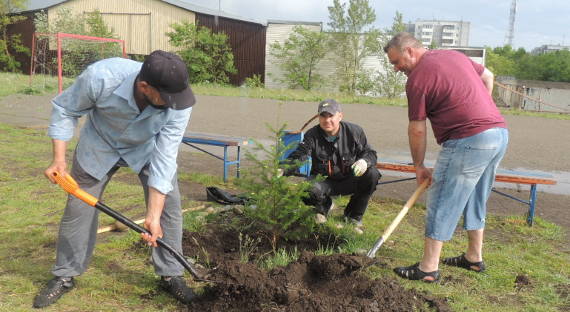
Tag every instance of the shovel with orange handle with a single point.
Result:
(372, 252)
(71, 187)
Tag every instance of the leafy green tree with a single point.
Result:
(553, 66)
(299, 56)
(432, 45)
(208, 55)
(505, 61)
(10, 42)
(88, 23)
(499, 64)
(352, 39)
(389, 82)
(276, 205)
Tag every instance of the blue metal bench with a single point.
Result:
(193, 138)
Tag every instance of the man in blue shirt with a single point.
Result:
(136, 117)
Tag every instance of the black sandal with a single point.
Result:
(461, 262)
(414, 273)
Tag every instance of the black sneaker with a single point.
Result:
(176, 286)
(54, 289)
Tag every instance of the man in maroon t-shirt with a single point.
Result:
(455, 94)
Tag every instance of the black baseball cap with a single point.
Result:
(330, 106)
(168, 74)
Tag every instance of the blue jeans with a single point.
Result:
(462, 180)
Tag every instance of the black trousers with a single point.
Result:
(361, 188)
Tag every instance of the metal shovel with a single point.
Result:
(71, 187)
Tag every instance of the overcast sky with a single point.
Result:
(537, 22)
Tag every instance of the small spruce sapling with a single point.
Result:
(276, 202)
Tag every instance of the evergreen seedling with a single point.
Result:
(276, 202)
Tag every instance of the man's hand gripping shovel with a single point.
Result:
(71, 187)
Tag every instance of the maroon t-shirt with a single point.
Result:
(446, 87)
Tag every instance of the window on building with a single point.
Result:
(447, 41)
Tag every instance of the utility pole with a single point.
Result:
(219, 12)
(511, 31)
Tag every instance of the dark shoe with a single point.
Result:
(54, 289)
(414, 273)
(462, 262)
(325, 211)
(176, 286)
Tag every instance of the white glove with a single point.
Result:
(359, 167)
(279, 172)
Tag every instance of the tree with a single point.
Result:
(352, 39)
(499, 64)
(208, 55)
(88, 23)
(389, 82)
(299, 56)
(7, 42)
(432, 45)
(276, 202)
(553, 66)
(79, 53)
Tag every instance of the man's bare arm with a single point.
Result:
(488, 79)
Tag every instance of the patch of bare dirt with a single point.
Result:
(522, 281)
(312, 283)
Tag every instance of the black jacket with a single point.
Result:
(333, 159)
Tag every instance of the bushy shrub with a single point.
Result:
(254, 81)
(208, 55)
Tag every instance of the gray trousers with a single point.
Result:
(78, 227)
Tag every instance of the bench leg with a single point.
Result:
(238, 161)
(225, 164)
(531, 205)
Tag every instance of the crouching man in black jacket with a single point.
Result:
(340, 152)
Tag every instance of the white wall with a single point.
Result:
(279, 32)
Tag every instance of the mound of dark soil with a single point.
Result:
(312, 283)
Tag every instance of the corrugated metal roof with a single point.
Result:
(34, 5)
(185, 4)
(273, 21)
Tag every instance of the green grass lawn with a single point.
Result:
(120, 277)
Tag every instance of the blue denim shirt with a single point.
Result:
(115, 128)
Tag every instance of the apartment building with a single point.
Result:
(441, 33)
(547, 48)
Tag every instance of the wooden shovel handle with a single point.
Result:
(305, 125)
(398, 219)
(405, 209)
